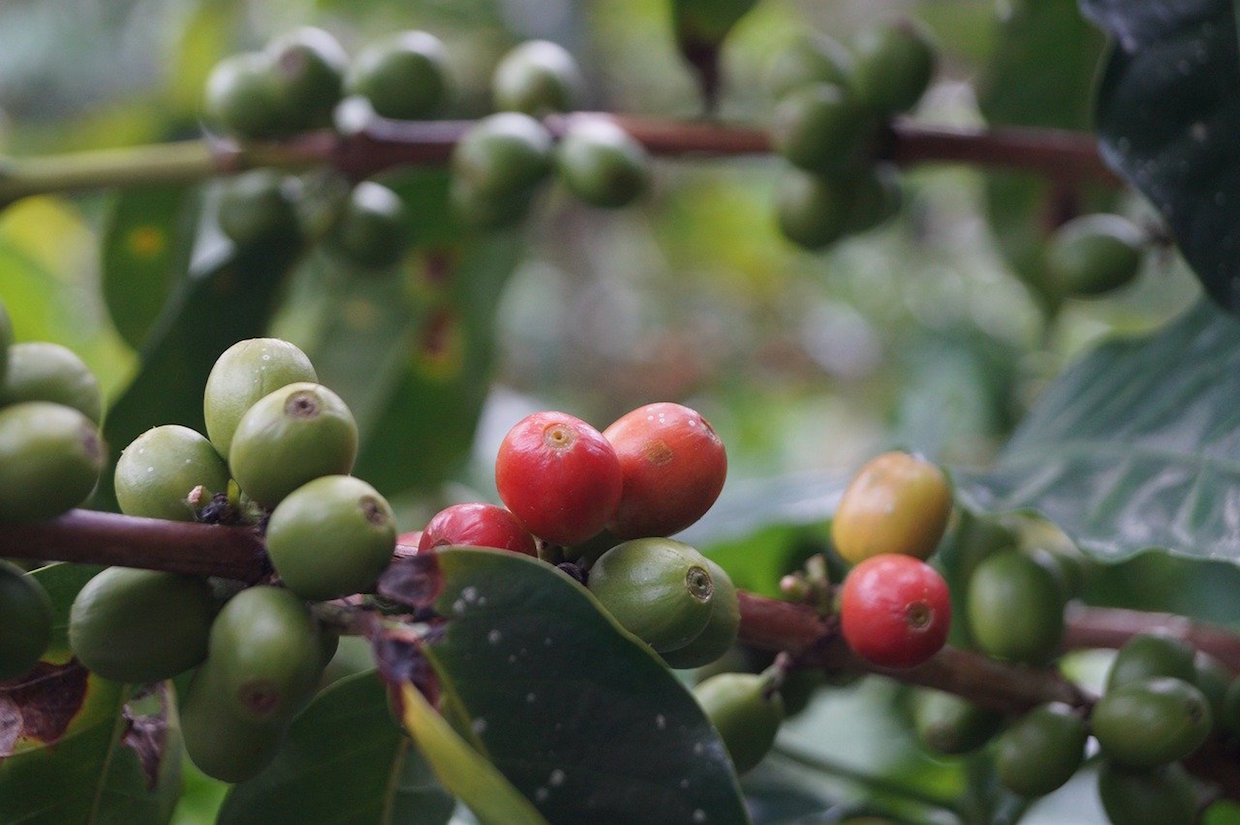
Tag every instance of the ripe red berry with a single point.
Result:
(559, 476)
(476, 524)
(673, 465)
(895, 610)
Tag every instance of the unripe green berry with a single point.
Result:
(746, 712)
(310, 63)
(266, 652)
(372, 230)
(950, 725)
(244, 373)
(50, 459)
(659, 589)
(812, 210)
(25, 621)
(1152, 722)
(221, 743)
(245, 97)
(1148, 655)
(876, 196)
(1015, 608)
(719, 635)
(1213, 679)
(160, 468)
(601, 163)
(291, 436)
(1042, 750)
(1163, 796)
(141, 626)
(893, 64)
(537, 77)
(257, 207)
(43, 371)
(403, 76)
(806, 60)
(503, 153)
(331, 537)
(1094, 254)
(485, 210)
(821, 128)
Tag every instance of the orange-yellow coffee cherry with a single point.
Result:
(896, 503)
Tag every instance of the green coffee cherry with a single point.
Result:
(244, 373)
(222, 744)
(160, 468)
(141, 626)
(403, 76)
(1015, 608)
(257, 207)
(1151, 722)
(372, 230)
(949, 725)
(25, 621)
(50, 459)
(821, 128)
(1042, 750)
(1163, 796)
(246, 97)
(331, 537)
(876, 197)
(1231, 707)
(601, 163)
(1094, 254)
(488, 211)
(746, 712)
(1213, 679)
(893, 64)
(266, 652)
(537, 77)
(813, 211)
(719, 635)
(310, 63)
(659, 589)
(1148, 655)
(503, 153)
(43, 371)
(807, 60)
(296, 434)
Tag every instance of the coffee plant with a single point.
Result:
(686, 412)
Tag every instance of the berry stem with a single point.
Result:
(379, 144)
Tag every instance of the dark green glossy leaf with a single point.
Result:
(1136, 446)
(345, 761)
(581, 717)
(146, 249)
(227, 300)
(1168, 111)
(1041, 73)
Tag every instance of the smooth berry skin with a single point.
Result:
(559, 476)
(674, 465)
(476, 524)
(895, 610)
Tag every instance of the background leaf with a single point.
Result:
(1168, 111)
(345, 761)
(583, 719)
(1136, 446)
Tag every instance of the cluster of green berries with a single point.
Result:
(276, 455)
(51, 455)
(501, 161)
(831, 104)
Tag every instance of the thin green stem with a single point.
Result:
(880, 784)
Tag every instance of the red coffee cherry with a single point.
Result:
(895, 610)
(673, 464)
(559, 476)
(476, 524)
